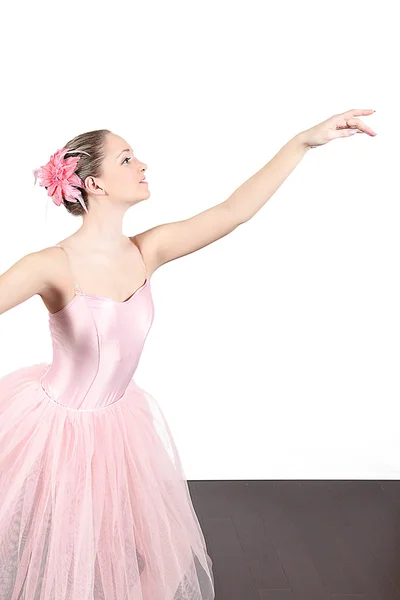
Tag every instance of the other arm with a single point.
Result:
(27, 277)
(173, 240)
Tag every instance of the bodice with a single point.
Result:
(97, 343)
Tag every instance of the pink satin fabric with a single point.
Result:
(94, 502)
(97, 344)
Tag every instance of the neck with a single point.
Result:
(102, 230)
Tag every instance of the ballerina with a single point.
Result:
(94, 502)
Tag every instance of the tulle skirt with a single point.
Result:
(94, 505)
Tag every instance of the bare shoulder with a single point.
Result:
(46, 264)
(52, 261)
(49, 261)
(34, 273)
(49, 257)
(147, 243)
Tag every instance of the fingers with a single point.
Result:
(348, 132)
(358, 124)
(358, 112)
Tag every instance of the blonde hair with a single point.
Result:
(94, 143)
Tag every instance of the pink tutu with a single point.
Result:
(94, 503)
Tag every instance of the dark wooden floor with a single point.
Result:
(301, 540)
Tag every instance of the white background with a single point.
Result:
(274, 352)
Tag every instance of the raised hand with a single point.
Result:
(338, 126)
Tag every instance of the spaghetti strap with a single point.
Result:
(76, 285)
(141, 259)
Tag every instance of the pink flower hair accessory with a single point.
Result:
(59, 177)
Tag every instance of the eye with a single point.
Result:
(127, 158)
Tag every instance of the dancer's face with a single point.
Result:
(122, 173)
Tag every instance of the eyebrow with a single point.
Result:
(122, 151)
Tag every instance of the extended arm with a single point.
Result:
(172, 240)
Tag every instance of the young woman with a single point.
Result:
(94, 503)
